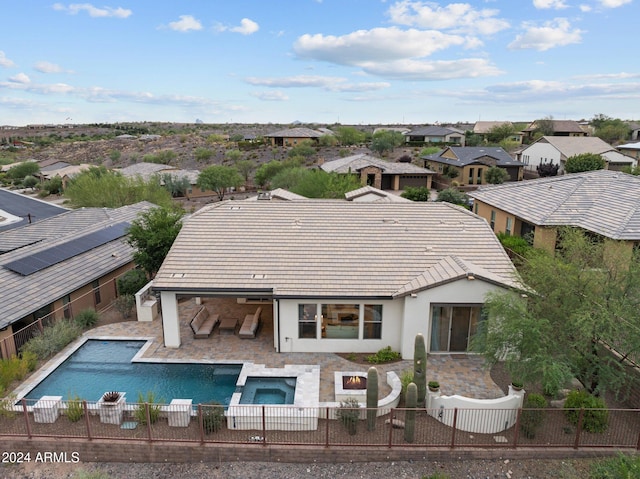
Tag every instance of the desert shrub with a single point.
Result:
(52, 339)
(124, 305)
(384, 355)
(86, 318)
(213, 417)
(419, 193)
(622, 466)
(531, 418)
(349, 414)
(131, 282)
(6, 405)
(21, 170)
(12, 369)
(596, 416)
(154, 403)
(75, 409)
(53, 186)
(518, 245)
(29, 181)
(203, 154)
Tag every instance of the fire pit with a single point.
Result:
(350, 384)
(354, 382)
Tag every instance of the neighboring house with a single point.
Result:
(604, 203)
(469, 164)
(279, 194)
(147, 171)
(18, 210)
(634, 129)
(557, 149)
(293, 136)
(630, 149)
(483, 128)
(62, 265)
(340, 276)
(560, 128)
(381, 174)
(370, 194)
(144, 170)
(435, 134)
(66, 173)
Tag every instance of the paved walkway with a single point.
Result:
(458, 374)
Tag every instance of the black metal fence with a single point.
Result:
(287, 425)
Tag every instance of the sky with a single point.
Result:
(325, 61)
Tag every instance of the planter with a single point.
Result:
(111, 412)
(47, 409)
(434, 386)
(179, 412)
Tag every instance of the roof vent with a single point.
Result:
(264, 195)
(178, 275)
(258, 276)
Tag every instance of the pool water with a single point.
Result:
(99, 366)
(268, 391)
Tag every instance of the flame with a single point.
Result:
(354, 381)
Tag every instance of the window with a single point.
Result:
(96, 291)
(372, 321)
(66, 306)
(479, 176)
(471, 175)
(509, 228)
(493, 220)
(340, 321)
(475, 207)
(307, 316)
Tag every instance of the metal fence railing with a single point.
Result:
(286, 425)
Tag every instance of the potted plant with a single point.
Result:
(434, 386)
(517, 385)
(111, 407)
(349, 415)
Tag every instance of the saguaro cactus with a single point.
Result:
(410, 417)
(420, 367)
(372, 397)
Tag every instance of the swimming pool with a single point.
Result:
(99, 366)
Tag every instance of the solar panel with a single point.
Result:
(57, 254)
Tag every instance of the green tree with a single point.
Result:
(501, 132)
(496, 175)
(99, 187)
(544, 126)
(175, 185)
(267, 171)
(386, 141)
(612, 130)
(348, 135)
(635, 171)
(451, 195)
(584, 162)
(289, 178)
(151, 235)
(420, 193)
(233, 155)
(320, 184)
(218, 178)
(579, 301)
(327, 141)
(203, 154)
(306, 149)
(245, 167)
(21, 170)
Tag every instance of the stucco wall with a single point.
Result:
(539, 153)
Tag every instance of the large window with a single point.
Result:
(493, 220)
(96, 291)
(509, 228)
(307, 317)
(452, 326)
(372, 321)
(471, 176)
(340, 321)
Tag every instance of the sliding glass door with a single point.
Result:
(452, 326)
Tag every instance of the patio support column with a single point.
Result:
(170, 319)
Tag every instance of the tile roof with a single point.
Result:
(22, 206)
(145, 170)
(382, 196)
(565, 126)
(296, 133)
(22, 295)
(576, 145)
(467, 155)
(604, 202)
(354, 163)
(434, 131)
(484, 127)
(330, 248)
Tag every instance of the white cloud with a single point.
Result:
(48, 67)
(457, 17)
(585, 8)
(433, 70)
(546, 4)
(554, 33)
(20, 78)
(338, 84)
(246, 27)
(378, 44)
(270, 96)
(614, 3)
(185, 24)
(75, 8)
(4, 61)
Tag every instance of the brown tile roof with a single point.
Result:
(331, 248)
(603, 201)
